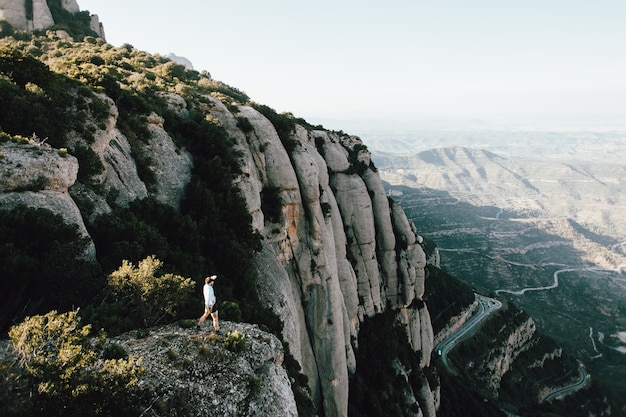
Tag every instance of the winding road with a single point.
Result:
(582, 381)
(555, 284)
(486, 307)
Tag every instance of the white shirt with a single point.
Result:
(209, 295)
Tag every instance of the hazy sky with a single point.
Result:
(500, 60)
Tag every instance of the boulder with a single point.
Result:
(34, 167)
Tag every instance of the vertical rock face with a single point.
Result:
(42, 17)
(15, 12)
(490, 369)
(97, 26)
(329, 257)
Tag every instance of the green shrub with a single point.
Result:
(271, 204)
(6, 29)
(147, 296)
(244, 125)
(284, 123)
(63, 362)
(230, 311)
(172, 355)
(25, 112)
(114, 351)
(187, 323)
(89, 163)
(28, 8)
(41, 258)
(254, 384)
(235, 341)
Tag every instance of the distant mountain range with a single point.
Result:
(591, 193)
(598, 145)
(554, 228)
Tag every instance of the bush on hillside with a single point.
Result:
(68, 372)
(41, 265)
(78, 25)
(149, 296)
(284, 123)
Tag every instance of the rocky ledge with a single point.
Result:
(199, 373)
(204, 374)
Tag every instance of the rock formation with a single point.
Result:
(492, 368)
(38, 16)
(333, 247)
(36, 175)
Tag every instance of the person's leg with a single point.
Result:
(216, 323)
(204, 317)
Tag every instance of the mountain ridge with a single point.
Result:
(590, 193)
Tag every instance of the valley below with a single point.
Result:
(548, 235)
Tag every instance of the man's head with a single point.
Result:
(210, 279)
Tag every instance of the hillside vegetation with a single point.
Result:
(45, 80)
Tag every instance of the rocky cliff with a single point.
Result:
(335, 250)
(36, 15)
(334, 244)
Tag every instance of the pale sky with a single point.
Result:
(547, 61)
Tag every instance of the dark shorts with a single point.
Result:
(212, 309)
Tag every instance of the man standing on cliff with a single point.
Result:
(209, 304)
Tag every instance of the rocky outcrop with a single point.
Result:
(195, 374)
(97, 26)
(120, 169)
(455, 323)
(170, 166)
(14, 12)
(213, 381)
(35, 166)
(36, 175)
(512, 341)
(39, 17)
(70, 5)
(42, 17)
